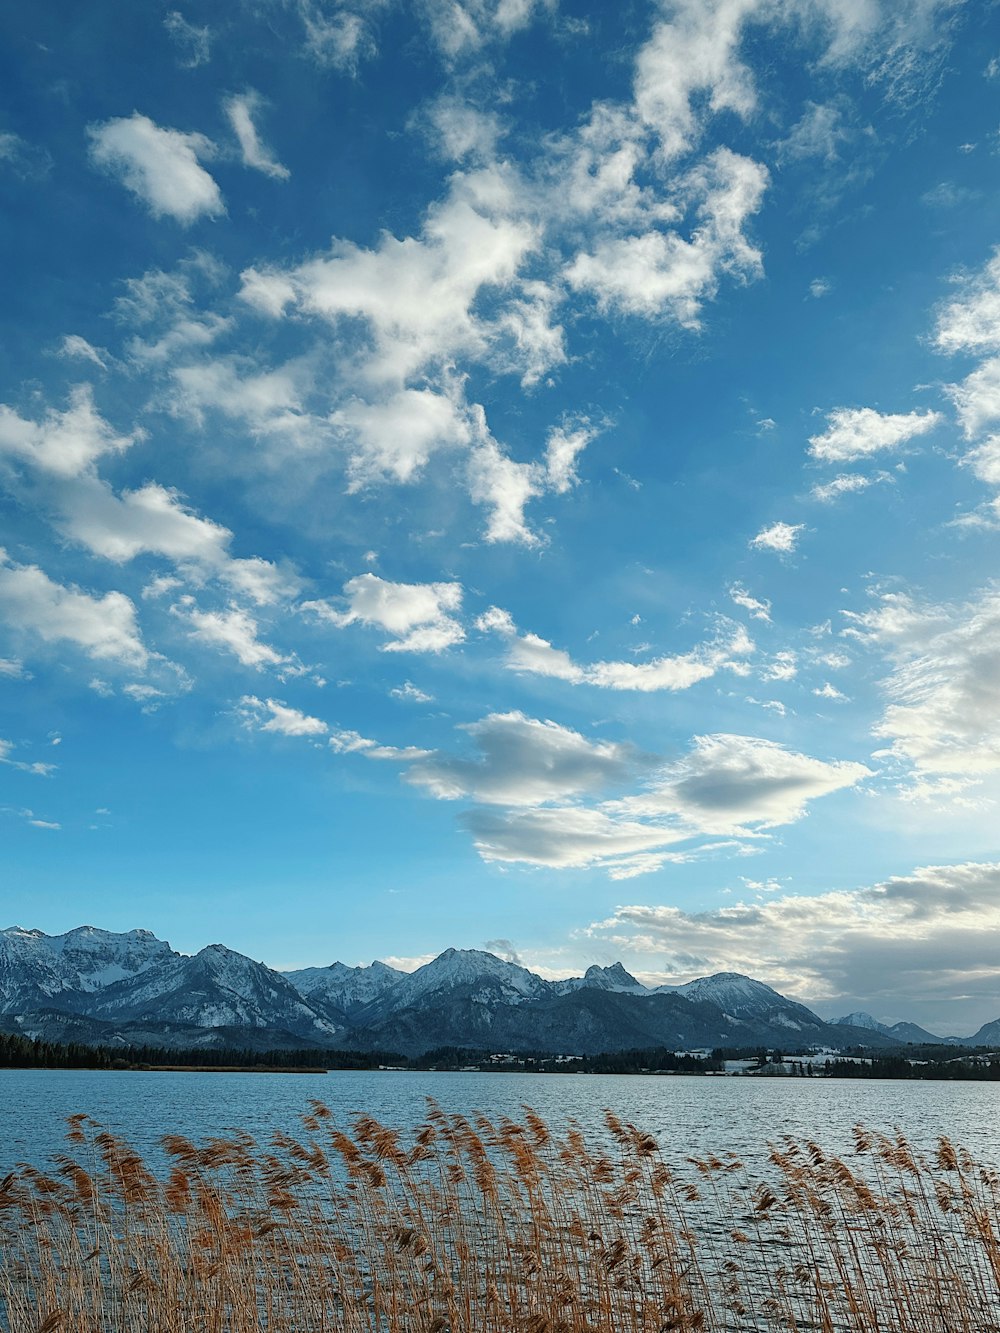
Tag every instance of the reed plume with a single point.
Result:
(511, 1226)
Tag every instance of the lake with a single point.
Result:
(687, 1114)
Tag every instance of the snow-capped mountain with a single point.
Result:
(750, 1002)
(478, 976)
(38, 969)
(860, 1019)
(217, 987)
(613, 978)
(344, 989)
(901, 1032)
(136, 978)
(94, 985)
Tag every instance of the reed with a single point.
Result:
(495, 1226)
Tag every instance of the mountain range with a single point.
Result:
(95, 986)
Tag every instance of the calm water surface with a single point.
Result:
(687, 1114)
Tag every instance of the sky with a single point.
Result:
(510, 474)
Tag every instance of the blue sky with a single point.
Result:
(509, 473)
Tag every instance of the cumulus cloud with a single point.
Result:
(460, 28)
(540, 794)
(417, 296)
(410, 693)
(563, 448)
(694, 52)
(393, 439)
(661, 272)
(759, 608)
(352, 742)
(729, 783)
(525, 761)
(65, 448)
(532, 654)
(65, 443)
(160, 167)
(571, 837)
(943, 715)
(903, 948)
(971, 322)
(860, 432)
(780, 537)
(977, 397)
(240, 111)
(275, 716)
(417, 615)
(104, 627)
(505, 487)
(233, 630)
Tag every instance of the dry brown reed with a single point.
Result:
(495, 1227)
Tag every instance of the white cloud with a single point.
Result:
(417, 615)
(904, 948)
(819, 132)
(530, 653)
(495, 620)
(416, 295)
(782, 666)
(155, 520)
(66, 448)
(525, 761)
(233, 630)
(984, 460)
(395, 438)
(728, 783)
(12, 668)
(564, 446)
(847, 483)
(570, 837)
(943, 714)
(36, 767)
(75, 346)
(195, 42)
(828, 691)
(660, 272)
(103, 627)
(760, 609)
(338, 37)
(693, 53)
(781, 537)
(860, 432)
(977, 398)
(505, 487)
(820, 287)
(971, 323)
(240, 111)
(64, 444)
(268, 401)
(462, 130)
(461, 28)
(410, 693)
(158, 166)
(275, 716)
(352, 742)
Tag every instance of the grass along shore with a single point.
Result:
(460, 1226)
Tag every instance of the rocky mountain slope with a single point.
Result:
(92, 985)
